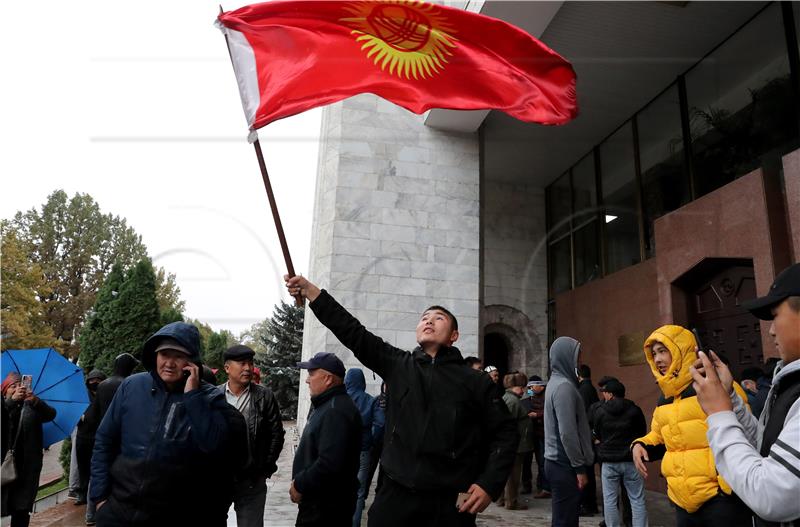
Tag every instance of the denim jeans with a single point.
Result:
(249, 499)
(363, 482)
(624, 472)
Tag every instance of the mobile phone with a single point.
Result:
(699, 341)
(186, 374)
(461, 498)
(27, 381)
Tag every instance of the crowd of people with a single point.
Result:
(172, 446)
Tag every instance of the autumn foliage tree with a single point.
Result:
(22, 320)
(74, 245)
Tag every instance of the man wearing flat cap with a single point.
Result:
(265, 434)
(760, 458)
(161, 437)
(325, 470)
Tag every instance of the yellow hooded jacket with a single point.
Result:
(679, 424)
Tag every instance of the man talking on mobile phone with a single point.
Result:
(160, 439)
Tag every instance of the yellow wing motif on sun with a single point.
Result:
(411, 38)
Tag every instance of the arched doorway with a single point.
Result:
(495, 352)
(715, 289)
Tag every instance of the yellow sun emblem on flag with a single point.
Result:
(411, 38)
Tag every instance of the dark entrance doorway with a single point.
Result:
(715, 290)
(495, 352)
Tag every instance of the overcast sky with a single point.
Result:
(136, 104)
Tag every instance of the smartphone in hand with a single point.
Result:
(461, 498)
(27, 381)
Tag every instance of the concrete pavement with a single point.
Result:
(281, 512)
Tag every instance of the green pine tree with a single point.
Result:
(215, 346)
(278, 342)
(126, 314)
(96, 337)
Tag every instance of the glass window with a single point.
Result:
(741, 108)
(665, 185)
(584, 189)
(559, 206)
(586, 241)
(560, 266)
(618, 181)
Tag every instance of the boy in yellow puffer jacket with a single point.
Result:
(678, 433)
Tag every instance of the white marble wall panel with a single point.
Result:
(396, 226)
(515, 257)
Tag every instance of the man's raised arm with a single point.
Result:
(371, 350)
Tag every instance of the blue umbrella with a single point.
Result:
(56, 381)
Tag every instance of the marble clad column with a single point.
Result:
(395, 227)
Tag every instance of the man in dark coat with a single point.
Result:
(162, 432)
(325, 469)
(84, 436)
(447, 431)
(124, 365)
(616, 423)
(265, 434)
(533, 402)
(27, 413)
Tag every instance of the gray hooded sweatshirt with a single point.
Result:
(567, 437)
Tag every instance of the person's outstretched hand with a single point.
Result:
(299, 286)
(712, 393)
(477, 502)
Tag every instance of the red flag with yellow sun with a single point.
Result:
(291, 56)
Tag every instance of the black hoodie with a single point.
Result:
(90, 420)
(124, 365)
(446, 426)
(616, 424)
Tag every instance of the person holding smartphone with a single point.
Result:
(27, 413)
(678, 434)
(163, 435)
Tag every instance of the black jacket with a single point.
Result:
(265, 433)
(90, 419)
(325, 468)
(588, 394)
(124, 365)
(27, 417)
(446, 427)
(616, 424)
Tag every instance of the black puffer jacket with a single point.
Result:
(446, 427)
(616, 423)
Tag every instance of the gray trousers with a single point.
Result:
(249, 499)
(74, 478)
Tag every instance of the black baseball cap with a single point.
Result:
(786, 284)
(326, 361)
(239, 352)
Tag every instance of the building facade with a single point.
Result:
(672, 197)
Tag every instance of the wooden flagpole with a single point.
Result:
(287, 258)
